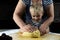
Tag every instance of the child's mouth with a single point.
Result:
(36, 21)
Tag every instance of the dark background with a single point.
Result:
(6, 15)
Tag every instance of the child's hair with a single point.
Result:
(37, 8)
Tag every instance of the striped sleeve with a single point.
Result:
(26, 2)
(47, 2)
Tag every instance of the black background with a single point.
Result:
(7, 8)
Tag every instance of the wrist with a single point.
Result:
(44, 25)
(21, 26)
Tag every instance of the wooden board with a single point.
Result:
(17, 36)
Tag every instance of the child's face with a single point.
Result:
(36, 16)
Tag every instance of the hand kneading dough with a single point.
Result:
(35, 34)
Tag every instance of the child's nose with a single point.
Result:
(36, 18)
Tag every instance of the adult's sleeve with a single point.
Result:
(47, 2)
(26, 2)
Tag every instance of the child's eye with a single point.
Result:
(33, 16)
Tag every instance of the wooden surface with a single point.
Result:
(17, 36)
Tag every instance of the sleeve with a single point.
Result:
(47, 2)
(26, 2)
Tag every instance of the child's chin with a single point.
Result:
(36, 21)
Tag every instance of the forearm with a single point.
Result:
(19, 10)
(50, 13)
(18, 20)
(48, 21)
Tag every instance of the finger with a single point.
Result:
(24, 30)
(42, 32)
(31, 29)
(28, 29)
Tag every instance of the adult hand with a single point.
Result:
(43, 29)
(28, 28)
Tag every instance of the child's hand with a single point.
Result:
(28, 28)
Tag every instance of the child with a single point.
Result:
(36, 12)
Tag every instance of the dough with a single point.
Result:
(27, 34)
(35, 34)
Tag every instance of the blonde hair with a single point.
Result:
(37, 8)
